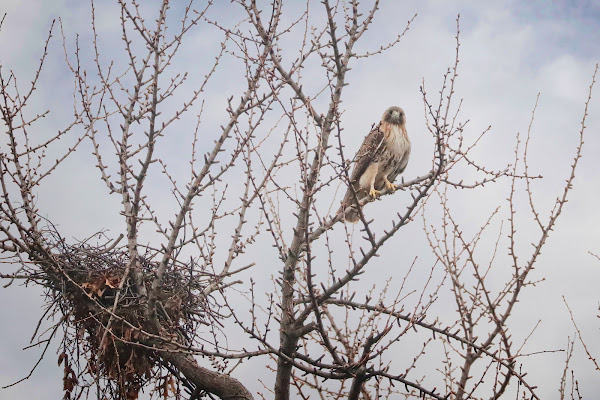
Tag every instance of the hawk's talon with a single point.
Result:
(374, 193)
(390, 186)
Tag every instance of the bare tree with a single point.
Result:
(154, 307)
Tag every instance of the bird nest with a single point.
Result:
(106, 324)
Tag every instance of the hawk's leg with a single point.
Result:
(389, 185)
(367, 180)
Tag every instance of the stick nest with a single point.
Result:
(105, 344)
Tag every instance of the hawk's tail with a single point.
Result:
(351, 215)
(350, 212)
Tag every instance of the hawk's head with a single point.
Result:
(394, 115)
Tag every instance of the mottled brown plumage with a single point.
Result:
(382, 156)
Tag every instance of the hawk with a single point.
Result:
(382, 156)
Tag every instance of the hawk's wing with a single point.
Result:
(366, 152)
(364, 157)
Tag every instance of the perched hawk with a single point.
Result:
(382, 156)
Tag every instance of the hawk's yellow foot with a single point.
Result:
(374, 193)
(389, 185)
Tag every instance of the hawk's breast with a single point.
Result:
(395, 147)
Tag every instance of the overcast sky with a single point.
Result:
(510, 52)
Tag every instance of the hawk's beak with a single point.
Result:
(396, 116)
